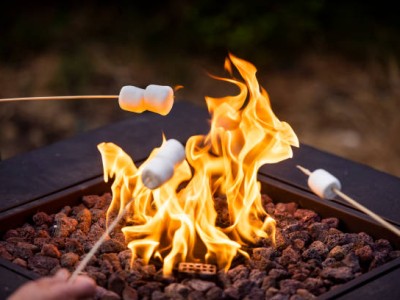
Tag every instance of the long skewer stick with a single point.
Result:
(93, 97)
(96, 246)
(360, 207)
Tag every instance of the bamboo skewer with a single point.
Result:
(96, 246)
(81, 97)
(358, 206)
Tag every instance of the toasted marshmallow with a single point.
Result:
(156, 98)
(159, 98)
(161, 167)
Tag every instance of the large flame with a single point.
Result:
(177, 222)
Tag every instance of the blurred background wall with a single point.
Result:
(331, 67)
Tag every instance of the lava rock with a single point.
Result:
(317, 250)
(111, 246)
(41, 218)
(84, 218)
(341, 274)
(200, 285)
(63, 225)
(50, 250)
(69, 260)
(239, 272)
(43, 262)
(214, 293)
(177, 291)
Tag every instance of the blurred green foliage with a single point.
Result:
(266, 30)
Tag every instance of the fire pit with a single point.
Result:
(200, 208)
(24, 194)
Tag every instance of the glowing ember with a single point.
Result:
(179, 224)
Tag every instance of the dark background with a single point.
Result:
(331, 67)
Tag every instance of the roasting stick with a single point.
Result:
(60, 98)
(96, 246)
(326, 186)
(154, 98)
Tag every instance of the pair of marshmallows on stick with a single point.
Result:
(155, 98)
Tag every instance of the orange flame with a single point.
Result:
(179, 224)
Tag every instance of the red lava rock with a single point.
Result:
(232, 293)
(147, 289)
(25, 250)
(116, 283)
(113, 259)
(158, 295)
(341, 274)
(351, 261)
(278, 274)
(90, 200)
(69, 260)
(99, 277)
(289, 255)
(257, 276)
(84, 218)
(104, 294)
(42, 234)
(42, 262)
(129, 293)
(40, 241)
(214, 293)
(382, 245)
(73, 245)
(64, 225)
(5, 254)
(42, 218)
(304, 294)
(200, 285)
(26, 231)
(112, 246)
(339, 252)
(239, 272)
(306, 215)
(10, 234)
(97, 214)
(20, 262)
(290, 286)
(317, 250)
(331, 222)
(243, 286)
(281, 241)
(50, 250)
(177, 291)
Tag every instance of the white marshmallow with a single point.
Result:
(161, 168)
(159, 98)
(322, 183)
(131, 98)
(155, 98)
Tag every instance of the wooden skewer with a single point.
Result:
(358, 206)
(60, 98)
(96, 246)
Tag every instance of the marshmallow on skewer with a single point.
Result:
(155, 98)
(323, 183)
(161, 168)
(326, 185)
(159, 98)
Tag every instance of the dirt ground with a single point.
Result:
(346, 108)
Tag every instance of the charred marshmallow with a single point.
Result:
(161, 168)
(155, 98)
(323, 183)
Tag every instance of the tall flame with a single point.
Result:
(177, 224)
